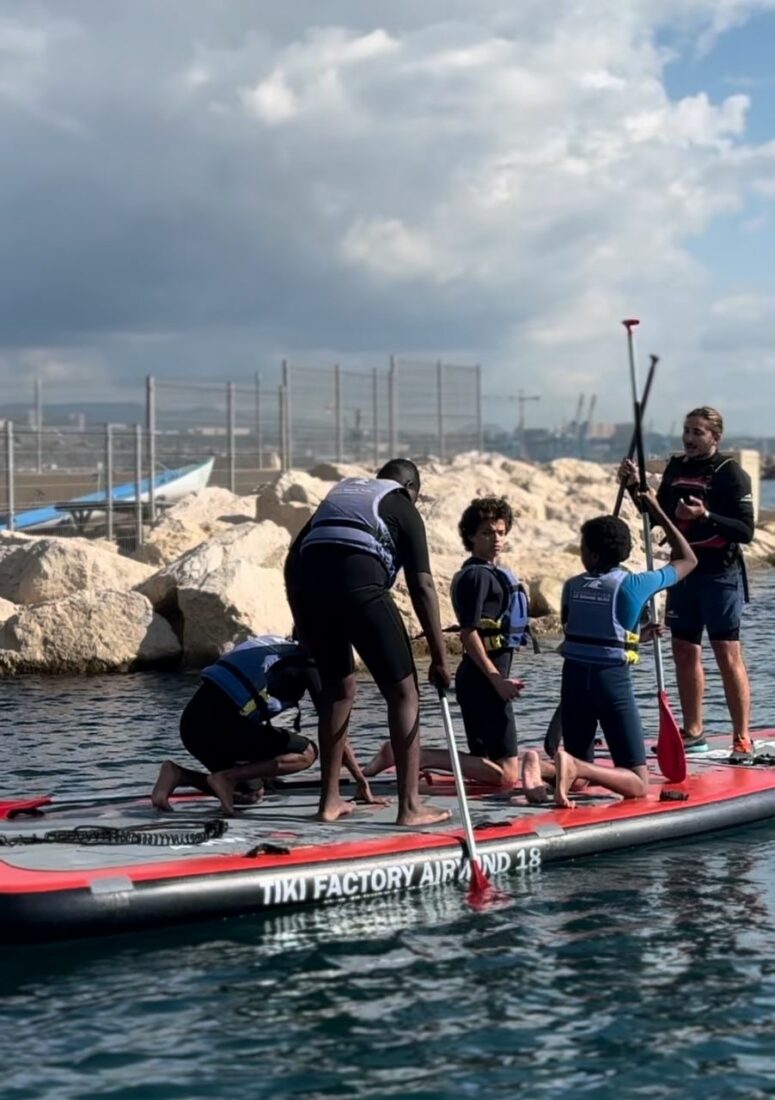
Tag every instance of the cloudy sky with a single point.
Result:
(196, 188)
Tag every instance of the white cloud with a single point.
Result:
(494, 181)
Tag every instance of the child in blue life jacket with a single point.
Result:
(227, 725)
(601, 610)
(492, 609)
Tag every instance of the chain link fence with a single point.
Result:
(111, 480)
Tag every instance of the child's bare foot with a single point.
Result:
(566, 774)
(422, 815)
(170, 777)
(334, 809)
(534, 789)
(223, 790)
(384, 759)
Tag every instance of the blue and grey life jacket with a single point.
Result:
(349, 516)
(511, 628)
(593, 632)
(242, 675)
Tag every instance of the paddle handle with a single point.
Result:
(637, 407)
(458, 774)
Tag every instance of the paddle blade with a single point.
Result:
(670, 747)
(481, 892)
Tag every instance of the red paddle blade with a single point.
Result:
(670, 747)
(11, 807)
(481, 892)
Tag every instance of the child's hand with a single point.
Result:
(651, 631)
(507, 689)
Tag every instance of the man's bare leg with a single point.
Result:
(224, 783)
(629, 783)
(333, 721)
(171, 776)
(729, 657)
(690, 678)
(403, 705)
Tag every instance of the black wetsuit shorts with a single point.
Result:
(489, 723)
(213, 730)
(342, 602)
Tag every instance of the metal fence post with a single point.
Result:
(375, 415)
(393, 407)
(9, 486)
(230, 437)
(259, 439)
(338, 412)
(287, 416)
(139, 483)
(281, 427)
(109, 478)
(479, 428)
(39, 423)
(150, 427)
(440, 406)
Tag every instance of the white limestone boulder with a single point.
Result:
(224, 590)
(35, 570)
(191, 521)
(290, 499)
(87, 632)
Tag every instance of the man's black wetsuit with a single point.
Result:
(340, 597)
(712, 596)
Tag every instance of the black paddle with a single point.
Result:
(553, 734)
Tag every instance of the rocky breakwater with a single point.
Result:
(210, 571)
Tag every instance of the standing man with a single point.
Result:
(338, 576)
(708, 496)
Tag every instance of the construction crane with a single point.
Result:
(522, 400)
(585, 425)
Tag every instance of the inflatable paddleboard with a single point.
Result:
(94, 866)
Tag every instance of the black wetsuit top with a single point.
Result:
(725, 489)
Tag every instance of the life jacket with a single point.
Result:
(349, 516)
(242, 675)
(593, 633)
(511, 628)
(680, 485)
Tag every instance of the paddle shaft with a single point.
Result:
(633, 442)
(458, 774)
(637, 414)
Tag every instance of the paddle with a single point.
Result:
(480, 889)
(670, 747)
(553, 734)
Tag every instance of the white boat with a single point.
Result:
(168, 486)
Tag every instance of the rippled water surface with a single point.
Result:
(643, 974)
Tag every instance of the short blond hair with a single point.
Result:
(713, 416)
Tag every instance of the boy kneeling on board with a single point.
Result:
(601, 611)
(492, 610)
(227, 725)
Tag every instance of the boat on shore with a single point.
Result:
(168, 487)
(90, 866)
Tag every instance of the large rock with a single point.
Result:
(290, 499)
(193, 520)
(33, 570)
(225, 590)
(7, 609)
(97, 631)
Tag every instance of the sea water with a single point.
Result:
(648, 973)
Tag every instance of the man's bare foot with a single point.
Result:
(423, 815)
(383, 760)
(223, 790)
(332, 811)
(566, 773)
(170, 777)
(534, 789)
